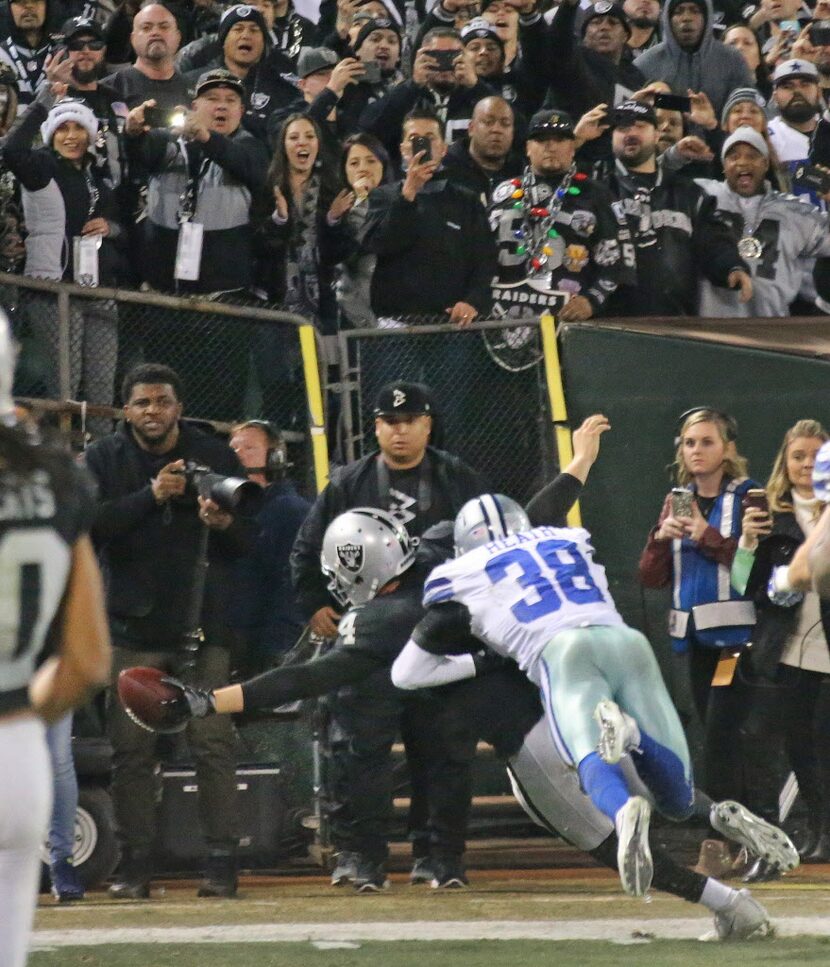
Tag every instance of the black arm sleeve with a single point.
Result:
(552, 503)
(342, 666)
(445, 630)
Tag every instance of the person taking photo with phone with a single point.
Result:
(790, 642)
(691, 550)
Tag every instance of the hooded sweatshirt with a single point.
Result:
(28, 62)
(712, 68)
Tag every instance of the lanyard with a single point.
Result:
(188, 198)
(92, 191)
(30, 73)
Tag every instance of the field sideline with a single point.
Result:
(572, 917)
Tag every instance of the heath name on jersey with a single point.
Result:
(522, 590)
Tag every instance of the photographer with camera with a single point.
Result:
(150, 534)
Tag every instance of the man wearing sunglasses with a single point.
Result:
(86, 50)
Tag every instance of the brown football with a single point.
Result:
(148, 700)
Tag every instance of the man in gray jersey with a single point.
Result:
(775, 232)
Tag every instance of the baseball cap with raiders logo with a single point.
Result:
(550, 124)
(605, 8)
(413, 399)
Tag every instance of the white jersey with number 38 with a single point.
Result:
(522, 590)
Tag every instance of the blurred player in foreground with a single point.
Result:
(50, 600)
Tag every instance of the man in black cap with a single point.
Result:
(86, 49)
(205, 172)
(420, 486)
(556, 228)
(690, 58)
(244, 50)
(596, 71)
(677, 234)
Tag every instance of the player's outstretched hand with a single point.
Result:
(586, 445)
(189, 702)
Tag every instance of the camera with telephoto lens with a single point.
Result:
(234, 495)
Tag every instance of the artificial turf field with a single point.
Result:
(506, 919)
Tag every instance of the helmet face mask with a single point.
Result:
(364, 549)
(487, 518)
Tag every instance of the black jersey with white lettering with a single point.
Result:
(46, 504)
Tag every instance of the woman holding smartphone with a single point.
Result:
(691, 550)
(790, 642)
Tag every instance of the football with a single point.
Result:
(150, 701)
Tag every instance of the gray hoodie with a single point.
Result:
(713, 68)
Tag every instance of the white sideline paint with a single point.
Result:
(614, 930)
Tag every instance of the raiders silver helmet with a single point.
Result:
(7, 359)
(487, 518)
(363, 549)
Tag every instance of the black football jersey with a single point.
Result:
(43, 512)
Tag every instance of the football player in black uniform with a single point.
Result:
(50, 599)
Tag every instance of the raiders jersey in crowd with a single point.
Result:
(43, 512)
(591, 254)
(523, 589)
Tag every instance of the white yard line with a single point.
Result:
(619, 930)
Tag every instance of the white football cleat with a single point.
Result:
(633, 851)
(618, 732)
(761, 838)
(743, 919)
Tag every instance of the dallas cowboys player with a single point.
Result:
(537, 596)
(50, 592)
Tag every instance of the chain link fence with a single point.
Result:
(488, 383)
(237, 357)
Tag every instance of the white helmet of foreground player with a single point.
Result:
(487, 518)
(363, 549)
(7, 358)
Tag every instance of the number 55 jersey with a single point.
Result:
(522, 590)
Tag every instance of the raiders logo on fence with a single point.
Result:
(350, 556)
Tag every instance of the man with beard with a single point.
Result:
(644, 20)
(558, 229)
(775, 232)
(689, 57)
(486, 157)
(26, 48)
(676, 233)
(244, 51)
(449, 89)
(86, 50)
(796, 95)
(155, 39)
(593, 72)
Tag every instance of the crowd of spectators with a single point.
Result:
(347, 170)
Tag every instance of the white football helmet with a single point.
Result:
(487, 518)
(8, 354)
(363, 549)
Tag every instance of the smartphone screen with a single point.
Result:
(444, 59)
(673, 102)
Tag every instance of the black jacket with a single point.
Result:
(452, 484)
(432, 252)
(686, 238)
(775, 624)
(460, 169)
(148, 551)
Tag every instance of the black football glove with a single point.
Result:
(190, 703)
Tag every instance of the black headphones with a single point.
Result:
(276, 457)
(729, 422)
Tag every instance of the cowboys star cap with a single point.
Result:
(745, 135)
(550, 124)
(402, 397)
(627, 112)
(795, 68)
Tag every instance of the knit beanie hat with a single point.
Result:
(69, 109)
(233, 15)
(738, 96)
(378, 23)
